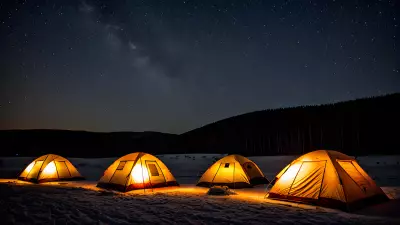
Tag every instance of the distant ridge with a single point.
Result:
(358, 127)
(85, 131)
(82, 143)
(391, 95)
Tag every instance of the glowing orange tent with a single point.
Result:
(234, 171)
(326, 178)
(50, 167)
(137, 170)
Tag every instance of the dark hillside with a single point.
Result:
(81, 143)
(363, 126)
(358, 127)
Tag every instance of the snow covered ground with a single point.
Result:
(83, 203)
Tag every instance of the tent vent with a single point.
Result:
(226, 165)
(153, 170)
(121, 165)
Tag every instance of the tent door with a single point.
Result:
(156, 176)
(122, 172)
(62, 169)
(308, 180)
(355, 175)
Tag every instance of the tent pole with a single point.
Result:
(31, 170)
(266, 189)
(129, 175)
(275, 178)
(23, 169)
(294, 180)
(133, 165)
(115, 171)
(67, 169)
(234, 165)
(212, 181)
(55, 165)
(151, 185)
(322, 181)
(40, 169)
(144, 189)
(165, 179)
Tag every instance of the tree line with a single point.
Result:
(358, 127)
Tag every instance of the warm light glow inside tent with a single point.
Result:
(326, 178)
(140, 175)
(137, 171)
(50, 168)
(29, 167)
(234, 171)
(288, 176)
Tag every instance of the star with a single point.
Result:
(169, 59)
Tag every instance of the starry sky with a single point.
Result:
(173, 66)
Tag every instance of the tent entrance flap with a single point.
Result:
(354, 174)
(308, 180)
(155, 173)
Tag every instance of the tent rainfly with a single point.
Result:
(326, 178)
(234, 171)
(137, 171)
(50, 167)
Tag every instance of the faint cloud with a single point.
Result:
(113, 36)
(113, 40)
(141, 61)
(132, 46)
(112, 27)
(86, 8)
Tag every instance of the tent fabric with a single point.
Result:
(137, 170)
(326, 178)
(234, 171)
(50, 167)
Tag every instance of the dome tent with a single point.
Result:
(234, 171)
(48, 168)
(326, 178)
(137, 170)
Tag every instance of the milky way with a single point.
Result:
(173, 66)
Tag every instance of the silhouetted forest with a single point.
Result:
(358, 127)
(83, 144)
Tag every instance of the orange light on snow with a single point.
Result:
(50, 169)
(139, 174)
(29, 167)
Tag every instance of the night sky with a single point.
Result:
(173, 66)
